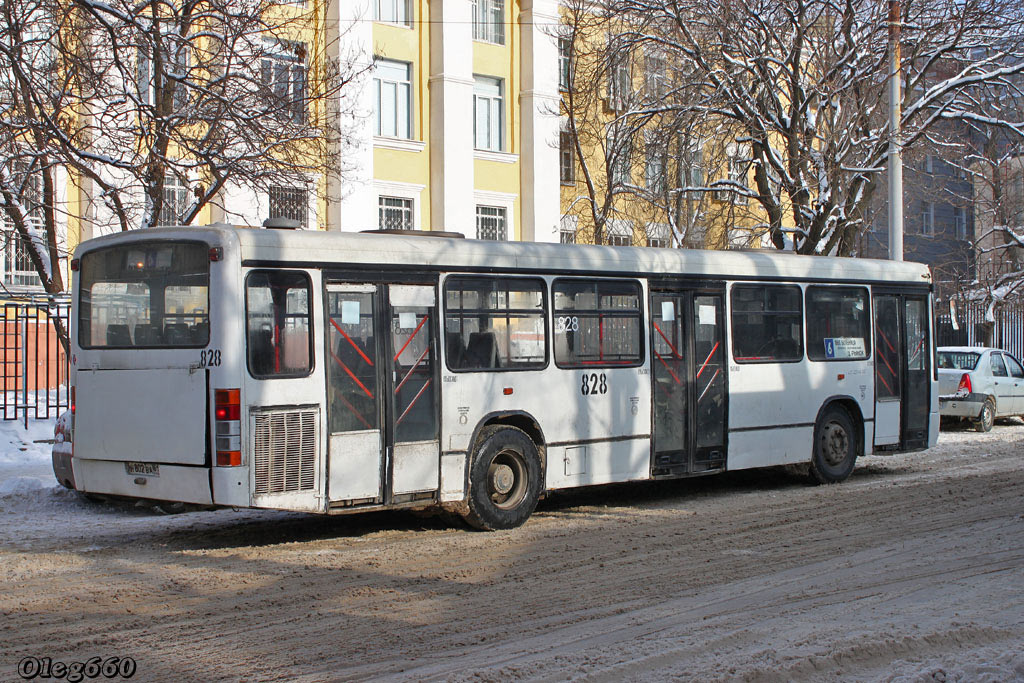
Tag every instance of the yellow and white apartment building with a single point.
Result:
(454, 123)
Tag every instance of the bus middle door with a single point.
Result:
(382, 394)
(688, 378)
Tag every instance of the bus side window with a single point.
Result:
(278, 324)
(767, 323)
(495, 323)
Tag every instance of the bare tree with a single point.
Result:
(150, 111)
(801, 84)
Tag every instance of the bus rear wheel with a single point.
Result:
(835, 447)
(504, 479)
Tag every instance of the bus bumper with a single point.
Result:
(179, 483)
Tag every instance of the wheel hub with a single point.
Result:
(836, 444)
(502, 479)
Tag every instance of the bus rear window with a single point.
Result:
(151, 295)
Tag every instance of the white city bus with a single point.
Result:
(334, 373)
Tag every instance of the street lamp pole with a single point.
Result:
(895, 142)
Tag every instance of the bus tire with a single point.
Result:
(835, 447)
(987, 416)
(504, 479)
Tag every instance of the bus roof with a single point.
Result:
(340, 249)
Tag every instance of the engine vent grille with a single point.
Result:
(284, 450)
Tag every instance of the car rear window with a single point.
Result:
(958, 360)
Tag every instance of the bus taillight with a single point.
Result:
(228, 415)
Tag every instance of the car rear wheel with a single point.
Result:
(987, 417)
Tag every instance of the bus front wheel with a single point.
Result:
(504, 479)
(835, 447)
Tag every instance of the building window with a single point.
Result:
(176, 55)
(175, 203)
(283, 72)
(655, 75)
(658, 236)
(566, 158)
(737, 165)
(691, 164)
(488, 114)
(960, 220)
(489, 21)
(394, 213)
(491, 223)
(654, 167)
(289, 202)
(620, 153)
(564, 63)
(618, 232)
(620, 80)
(928, 218)
(567, 236)
(393, 91)
(17, 262)
(392, 12)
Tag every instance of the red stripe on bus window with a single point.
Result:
(354, 345)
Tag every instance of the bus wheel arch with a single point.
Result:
(838, 440)
(505, 473)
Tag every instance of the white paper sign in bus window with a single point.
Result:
(349, 312)
(706, 314)
(844, 347)
(668, 311)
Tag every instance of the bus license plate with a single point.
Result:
(146, 469)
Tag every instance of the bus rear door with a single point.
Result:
(902, 370)
(382, 393)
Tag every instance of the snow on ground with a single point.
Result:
(913, 625)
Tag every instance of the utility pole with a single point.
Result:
(895, 141)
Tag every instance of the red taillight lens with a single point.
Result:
(965, 385)
(227, 411)
(72, 400)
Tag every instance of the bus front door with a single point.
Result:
(902, 370)
(382, 394)
(688, 378)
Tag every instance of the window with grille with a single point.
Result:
(491, 223)
(489, 21)
(289, 202)
(283, 73)
(394, 213)
(392, 86)
(175, 203)
(17, 263)
(488, 110)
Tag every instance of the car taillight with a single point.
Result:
(965, 385)
(227, 412)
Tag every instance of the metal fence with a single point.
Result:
(1006, 331)
(35, 366)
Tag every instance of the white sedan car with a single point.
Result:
(979, 384)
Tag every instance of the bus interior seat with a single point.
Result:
(147, 334)
(455, 349)
(482, 350)
(200, 333)
(261, 352)
(177, 334)
(118, 335)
